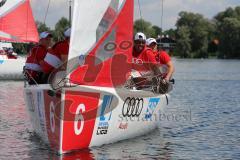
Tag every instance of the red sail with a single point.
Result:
(108, 63)
(17, 23)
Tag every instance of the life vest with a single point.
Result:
(162, 57)
(142, 61)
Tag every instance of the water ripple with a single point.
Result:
(207, 91)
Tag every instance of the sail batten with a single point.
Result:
(17, 23)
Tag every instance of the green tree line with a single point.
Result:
(199, 37)
(195, 35)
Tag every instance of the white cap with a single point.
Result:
(140, 36)
(150, 41)
(44, 34)
(67, 32)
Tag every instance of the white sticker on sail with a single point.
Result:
(9, 5)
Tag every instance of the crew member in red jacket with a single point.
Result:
(152, 43)
(33, 70)
(162, 58)
(57, 55)
(144, 61)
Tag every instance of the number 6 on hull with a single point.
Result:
(79, 117)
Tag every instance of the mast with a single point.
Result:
(70, 12)
(162, 15)
(161, 34)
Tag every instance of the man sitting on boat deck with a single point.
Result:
(145, 64)
(32, 69)
(58, 54)
(162, 58)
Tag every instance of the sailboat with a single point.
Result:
(91, 106)
(16, 25)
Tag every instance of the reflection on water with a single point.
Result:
(207, 91)
(139, 148)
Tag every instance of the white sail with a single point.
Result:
(87, 16)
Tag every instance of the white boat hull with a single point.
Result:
(11, 69)
(82, 117)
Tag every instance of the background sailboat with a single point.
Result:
(16, 25)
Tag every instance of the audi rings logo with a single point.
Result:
(132, 107)
(2, 2)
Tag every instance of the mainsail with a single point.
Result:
(16, 21)
(102, 41)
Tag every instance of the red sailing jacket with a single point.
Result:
(55, 56)
(144, 59)
(162, 57)
(32, 66)
(36, 55)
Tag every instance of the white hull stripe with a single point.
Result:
(52, 60)
(34, 67)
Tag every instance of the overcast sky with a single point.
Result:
(151, 9)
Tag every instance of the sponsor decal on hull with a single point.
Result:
(132, 108)
(153, 102)
(123, 125)
(1, 61)
(105, 117)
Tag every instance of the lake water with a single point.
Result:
(202, 120)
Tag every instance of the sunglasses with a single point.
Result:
(139, 41)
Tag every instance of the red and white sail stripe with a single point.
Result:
(108, 31)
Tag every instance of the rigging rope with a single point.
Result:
(141, 17)
(160, 40)
(47, 12)
(162, 16)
